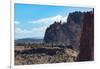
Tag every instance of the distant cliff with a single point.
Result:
(67, 33)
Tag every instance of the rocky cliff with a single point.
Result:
(67, 33)
(87, 38)
(55, 34)
(72, 28)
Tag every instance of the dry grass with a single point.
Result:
(41, 55)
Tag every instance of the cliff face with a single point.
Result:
(55, 34)
(67, 33)
(77, 30)
(73, 28)
(87, 38)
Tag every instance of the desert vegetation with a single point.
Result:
(43, 53)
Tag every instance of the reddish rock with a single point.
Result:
(87, 38)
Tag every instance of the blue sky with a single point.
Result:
(31, 20)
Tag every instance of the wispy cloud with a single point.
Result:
(37, 31)
(16, 22)
(19, 30)
(50, 20)
(34, 32)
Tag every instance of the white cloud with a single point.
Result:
(37, 31)
(16, 22)
(50, 20)
(19, 30)
(34, 32)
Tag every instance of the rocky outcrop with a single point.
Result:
(77, 32)
(72, 28)
(55, 34)
(87, 38)
(67, 33)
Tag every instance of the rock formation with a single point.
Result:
(87, 38)
(72, 28)
(55, 34)
(67, 33)
(77, 32)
